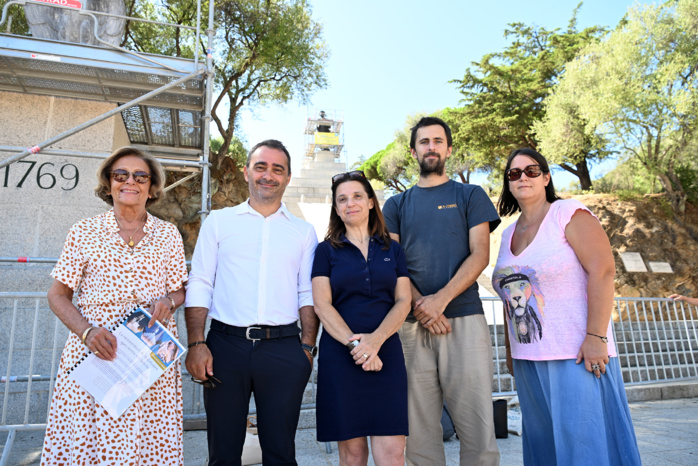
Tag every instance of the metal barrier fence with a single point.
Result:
(656, 339)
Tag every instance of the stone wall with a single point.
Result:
(42, 196)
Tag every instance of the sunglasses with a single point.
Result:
(208, 383)
(531, 171)
(121, 176)
(352, 175)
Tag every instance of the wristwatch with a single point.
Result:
(352, 344)
(310, 349)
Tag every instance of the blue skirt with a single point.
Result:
(569, 417)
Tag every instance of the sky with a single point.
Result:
(394, 58)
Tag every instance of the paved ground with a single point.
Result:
(667, 433)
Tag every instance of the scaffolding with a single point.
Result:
(324, 133)
(165, 102)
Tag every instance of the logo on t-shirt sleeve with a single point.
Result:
(523, 302)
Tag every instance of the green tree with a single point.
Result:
(236, 149)
(265, 51)
(503, 93)
(568, 139)
(394, 166)
(153, 38)
(271, 51)
(390, 166)
(15, 21)
(397, 169)
(463, 162)
(628, 178)
(638, 88)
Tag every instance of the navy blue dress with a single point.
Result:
(352, 402)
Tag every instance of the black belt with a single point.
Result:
(258, 332)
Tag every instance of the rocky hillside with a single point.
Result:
(647, 226)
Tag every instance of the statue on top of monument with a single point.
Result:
(323, 127)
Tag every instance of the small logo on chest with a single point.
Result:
(387, 259)
(448, 206)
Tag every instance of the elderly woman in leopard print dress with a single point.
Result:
(114, 262)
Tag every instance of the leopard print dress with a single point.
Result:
(111, 279)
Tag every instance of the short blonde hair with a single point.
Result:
(157, 175)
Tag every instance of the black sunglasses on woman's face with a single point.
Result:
(531, 171)
(352, 175)
(121, 176)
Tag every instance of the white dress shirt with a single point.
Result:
(251, 270)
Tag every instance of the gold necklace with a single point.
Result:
(130, 237)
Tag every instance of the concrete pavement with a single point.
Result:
(667, 433)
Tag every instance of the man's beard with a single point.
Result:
(427, 168)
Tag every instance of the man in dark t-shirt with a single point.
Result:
(444, 229)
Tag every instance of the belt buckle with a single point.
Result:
(247, 333)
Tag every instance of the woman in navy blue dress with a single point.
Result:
(361, 292)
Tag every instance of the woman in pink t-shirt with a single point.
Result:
(554, 274)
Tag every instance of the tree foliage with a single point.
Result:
(503, 93)
(269, 51)
(153, 38)
(463, 161)
(236, 150)
(639, 89)
(264, 51)
(16, 21)
(394, 166)
(398, 170)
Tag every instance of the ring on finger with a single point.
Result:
(595, 367)
(96, 352)
(366, 355)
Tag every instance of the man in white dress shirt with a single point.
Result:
(250, 274)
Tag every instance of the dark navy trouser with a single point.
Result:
(277, 372)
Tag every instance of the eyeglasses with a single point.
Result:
(352, 175)
(121, 176)
(208, 383)
(531, 171)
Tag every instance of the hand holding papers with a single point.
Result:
(143, 354)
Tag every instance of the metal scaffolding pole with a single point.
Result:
(94, 121)
(206, 173)
(102, 156)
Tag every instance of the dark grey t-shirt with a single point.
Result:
(434, 225)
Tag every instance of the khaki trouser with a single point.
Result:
(457, 368)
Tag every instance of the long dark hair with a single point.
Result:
(376, 223)
(507, 203)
